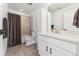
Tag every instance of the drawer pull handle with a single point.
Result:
(46, 48)
(50, 50)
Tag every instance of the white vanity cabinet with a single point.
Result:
(43, 48)
(49, 46)
(59, 52)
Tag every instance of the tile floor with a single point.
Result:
(22, 50)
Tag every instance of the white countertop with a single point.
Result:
(73, 37)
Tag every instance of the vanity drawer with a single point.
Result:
(67, 46)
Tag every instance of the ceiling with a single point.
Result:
(55, 6)
(24, 7)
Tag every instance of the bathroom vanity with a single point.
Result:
(58, 44)
(64, 38)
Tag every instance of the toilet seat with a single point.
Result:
(29, 40)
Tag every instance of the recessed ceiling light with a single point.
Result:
(21, 9)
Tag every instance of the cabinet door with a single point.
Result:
(43, 48)
(60, 52)
(40, 47)
(50, 53)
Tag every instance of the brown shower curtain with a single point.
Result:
(14, 30)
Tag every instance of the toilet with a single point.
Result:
(29, 39)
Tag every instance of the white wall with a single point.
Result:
(58, 16)
(5, 12)
(3, 42)
(39, 18)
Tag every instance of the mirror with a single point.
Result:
(61, 16)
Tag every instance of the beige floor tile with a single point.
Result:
(10, 51)
(22, 50)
